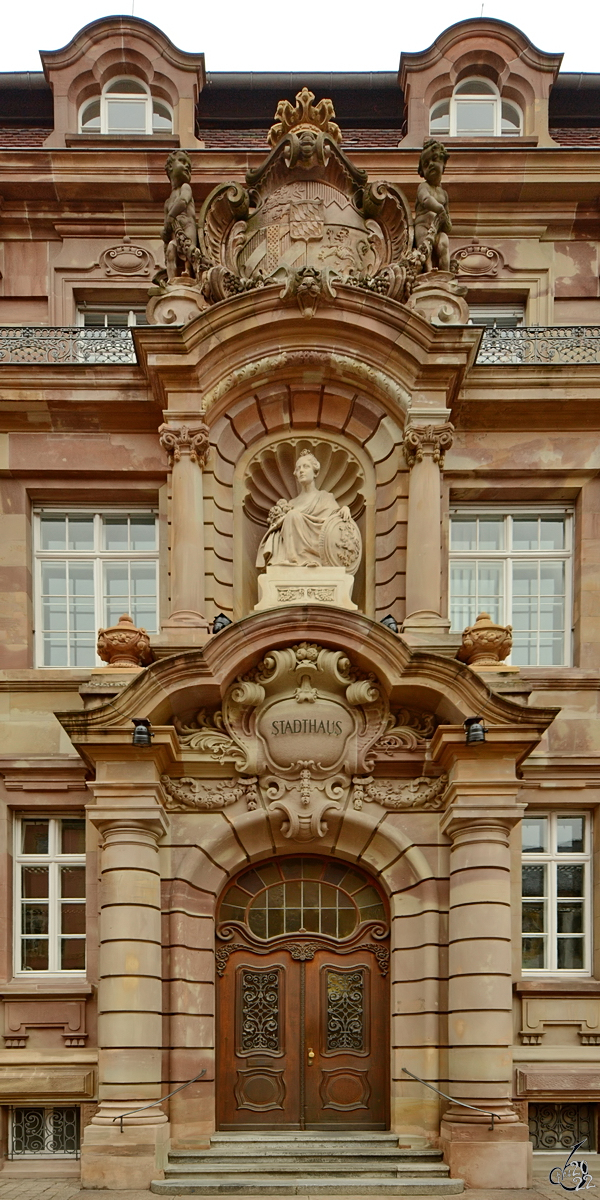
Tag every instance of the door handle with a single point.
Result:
(311, 1055)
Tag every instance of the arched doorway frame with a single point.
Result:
(379, 845)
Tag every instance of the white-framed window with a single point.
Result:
(110, 316)
(516, 566)
(125, 106)
(556, 892)
(497, 316)
(50, 895)
(475, 109)
(90, 568)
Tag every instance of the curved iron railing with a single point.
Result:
(54, 344)
(132, 1111)
(560, 345)
(494, 1116)
(554, 345)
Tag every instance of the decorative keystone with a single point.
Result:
(124, 645)
(485, 644)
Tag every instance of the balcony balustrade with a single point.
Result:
(53, 344)
(553, 345)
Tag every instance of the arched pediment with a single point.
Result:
(176, 685)
(379, 347)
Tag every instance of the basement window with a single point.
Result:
(41, 1132)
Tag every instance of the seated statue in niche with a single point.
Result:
(310, 530)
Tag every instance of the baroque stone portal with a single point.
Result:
(312, 547)
(304, 731)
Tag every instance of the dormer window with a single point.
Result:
(475, 109)
(126, 107)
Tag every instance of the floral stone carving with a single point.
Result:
(124, 645)
(419, 793)
(485, 643)
(192, 794)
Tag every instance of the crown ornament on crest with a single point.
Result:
(304, 115)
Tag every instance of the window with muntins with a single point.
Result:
(556, 892)
(110, 316)
(475, 109)
(516, 567)
(126, 106)
(50, 895)
(90, 569)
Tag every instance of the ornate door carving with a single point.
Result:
(303, 1019)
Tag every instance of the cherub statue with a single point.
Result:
(432, 221)
(180, 233)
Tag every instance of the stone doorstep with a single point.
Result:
(326, 1166)
(313, 1187)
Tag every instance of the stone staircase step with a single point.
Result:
(349, 1163)
(325, 1153)
(349, 1168)
(295, 1186)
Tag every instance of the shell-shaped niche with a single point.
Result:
(270, 476)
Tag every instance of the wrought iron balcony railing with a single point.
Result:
(53, 344)
(545, 344)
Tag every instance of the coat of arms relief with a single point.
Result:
(304, 733)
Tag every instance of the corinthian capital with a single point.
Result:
(432, 440)
(185, 439)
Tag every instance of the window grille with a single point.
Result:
(44, 1132)
(562, 1126)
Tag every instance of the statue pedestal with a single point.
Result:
(439, 298)
(178, 303)
(305, 585)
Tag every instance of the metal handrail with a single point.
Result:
(452, 1099)
(155, 1102)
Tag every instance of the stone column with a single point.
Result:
(424, 450)
(481, 813)
(129, 994)
(187, 447)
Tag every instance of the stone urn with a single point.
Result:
(485, 644)
(124, 645)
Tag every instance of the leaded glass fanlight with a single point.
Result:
(302, 896)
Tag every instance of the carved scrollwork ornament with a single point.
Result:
(185, 439)
(433, 440)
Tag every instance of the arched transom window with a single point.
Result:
(475, 109)
(126, 106)
(302, 895)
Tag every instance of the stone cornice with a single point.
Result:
(174, 684)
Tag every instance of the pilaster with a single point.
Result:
(480, 814)
(186, 444)
(424, 450)
(131, 822)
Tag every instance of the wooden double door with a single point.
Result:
(303, 1039)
